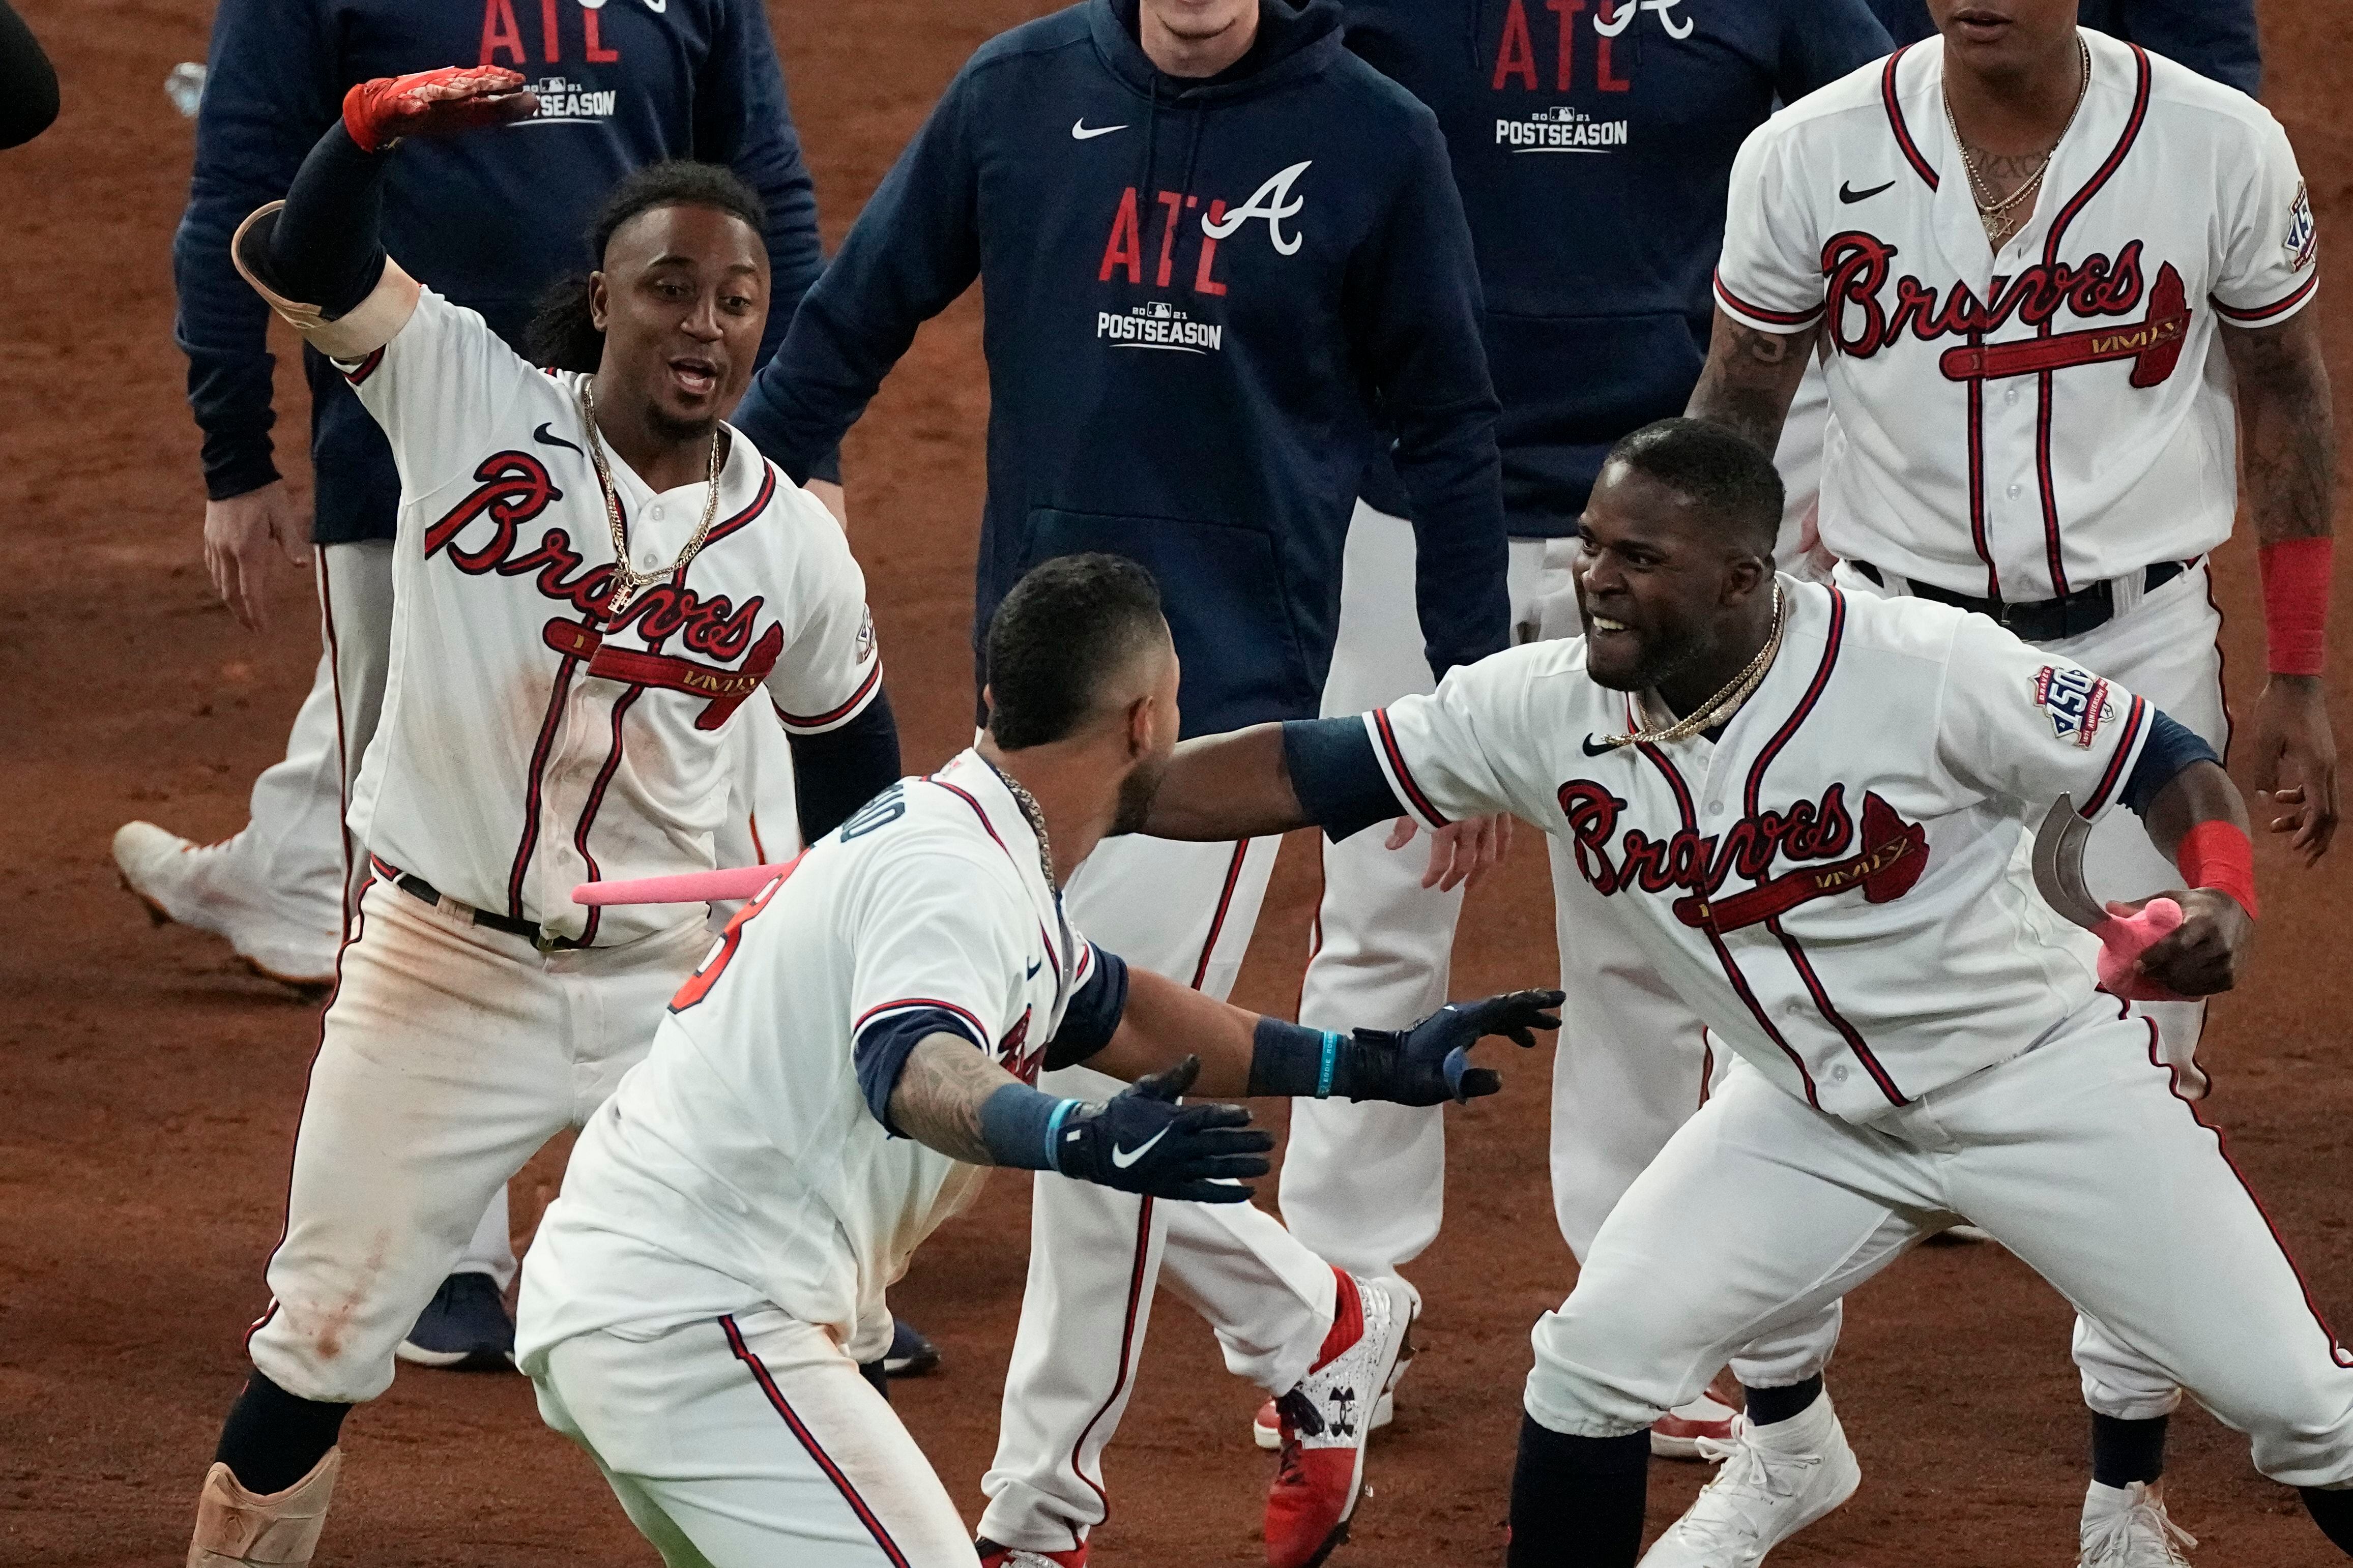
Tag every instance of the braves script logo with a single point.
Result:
(1892, 856)
(514, 488)
(2074, 700)
(1856, 268)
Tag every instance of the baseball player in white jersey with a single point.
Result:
(2045, 266)
(593, 578)
(829, 1083)
(1808, 806)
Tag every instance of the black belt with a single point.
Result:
(2043, 620)
(416, 886)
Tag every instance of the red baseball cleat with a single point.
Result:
(1324, 1422)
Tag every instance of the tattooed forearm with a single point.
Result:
(1750, 377)
(2286, 428)
(942, 1088)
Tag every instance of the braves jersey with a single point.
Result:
(526, 744)
(2019, 425)
(739, 1163)
(1851, 914)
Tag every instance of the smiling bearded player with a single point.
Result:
(1806, 806)
(593, 575)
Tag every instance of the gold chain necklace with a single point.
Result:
(1992, 215)
(628, 581)
(1037, 818)
(1721, 707)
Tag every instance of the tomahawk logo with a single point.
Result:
(1271, 201)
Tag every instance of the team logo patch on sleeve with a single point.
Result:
(866, 637)
(2303, 240)
(2074, 700)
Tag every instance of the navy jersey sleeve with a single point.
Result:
(913, 250)
(1824, 40)
(2216, 38)
(1413, 307)
(269, 94)
(1092, 1017)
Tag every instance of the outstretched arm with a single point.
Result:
(2289, 463)
(1750, 377)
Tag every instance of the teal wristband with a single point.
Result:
(1331, 1061)
(1053, 1129)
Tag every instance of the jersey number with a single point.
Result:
(880, 812)
(706, 974)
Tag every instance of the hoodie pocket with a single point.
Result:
(1222, 591)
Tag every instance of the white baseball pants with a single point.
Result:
(449, 1054)
(751, 1441)
(2077, 1155)
(1185, 910)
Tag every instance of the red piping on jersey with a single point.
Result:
(758, 504)
(858, 1505)
(2043, 383)
(980, 1034)
(966, 796)
(2221, 661)
(1225, 903)
(1723, 954)
(1749, 802)
(1785, 318)
(1896, 119)
(596, 802)
(1413, 794)
(1976, 479)
(1706, 1065)
(1137, 1280)
(557, 689)
(2110, 779)
(2336, 1351)
(342, 742)
(365, 369)
(2264, 312)
(865, 690)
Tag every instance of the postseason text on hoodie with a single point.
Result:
(1209, 304)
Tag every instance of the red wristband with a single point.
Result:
(2217, 855)
(2296, 603)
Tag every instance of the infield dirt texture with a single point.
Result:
(149, 1087)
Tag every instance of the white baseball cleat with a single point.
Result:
(1774, 1481)
(2126, 1526)
(196, 884)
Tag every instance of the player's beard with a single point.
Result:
(671, 428)
(1136, 793)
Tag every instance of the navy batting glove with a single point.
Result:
(1431, 1063)
(1142, 1140)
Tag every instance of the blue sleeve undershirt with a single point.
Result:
(2171, 746)
(1093, 1015)
(1335, 775)
(882, 1049)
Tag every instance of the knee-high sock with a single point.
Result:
(273, 1438)
(1576, 1502)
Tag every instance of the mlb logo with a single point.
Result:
(2302, 241)
(2074, 700)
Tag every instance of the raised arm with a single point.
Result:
(1749, 378)
(1235, 785)
(2288, 461)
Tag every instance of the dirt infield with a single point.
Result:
(149, 1089)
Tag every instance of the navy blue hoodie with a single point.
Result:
(1205, 300)
(2216, 38)
(1593, 157)
(487, 220)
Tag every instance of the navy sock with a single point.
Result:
(272, 1439)
(2332, 1510)
(1767, 1406)
(1576, 1502)
(2124, 1452)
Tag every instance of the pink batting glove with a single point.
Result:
(2123, 939)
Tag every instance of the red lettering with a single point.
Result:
(1126, 242)
(547, 35)
(1174, 203)
(515, 488)
(1603, 78)
(1566, 10)
(1855, 264)
(598, 55)
(1592, 814)
(1202, 282)
(1516, 54)
(500, 31)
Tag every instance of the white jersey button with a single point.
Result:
(655, 513)
(1838, 1075)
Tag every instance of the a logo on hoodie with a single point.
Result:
(1272, 201)
(1126, 250)
(1158, 324)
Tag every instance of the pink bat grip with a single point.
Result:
(692, 887)
(2124, 938)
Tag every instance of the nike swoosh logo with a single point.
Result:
(547, 437)
(1080, 132)
(1849, 195)
(1122, 1158)
(1601, 750)
(1033, 969)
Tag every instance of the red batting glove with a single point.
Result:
(433, 103)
